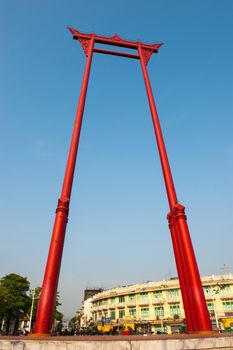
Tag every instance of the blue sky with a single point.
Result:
(117, 232)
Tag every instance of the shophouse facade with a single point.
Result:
(158, 306)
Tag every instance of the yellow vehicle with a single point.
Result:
(228, 323)
(108, 326)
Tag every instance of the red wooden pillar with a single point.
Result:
(190, 319)
(49, 288)
(196, 311)
(198, 299)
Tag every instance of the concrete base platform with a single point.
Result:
(152, 342)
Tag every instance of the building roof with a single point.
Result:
(159, 285)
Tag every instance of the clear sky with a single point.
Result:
(117, 232)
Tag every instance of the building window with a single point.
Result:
(121, 299)
(225, 288)
(145, 312)
(112, 300)
(159, 311)
(113, 314)
(121, 313)
(172, 293)
(175, 310)
(131, 297)
(207, 289)
(132, 312)
(144, 296)
(157, 294)
(210, 307)
(228, 306)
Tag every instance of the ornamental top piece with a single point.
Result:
(114, 40)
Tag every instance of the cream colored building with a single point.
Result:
(86, 313)
(158, 305)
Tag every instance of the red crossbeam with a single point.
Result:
(117, 53)
(114, 40)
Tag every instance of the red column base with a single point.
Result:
(38, 335)
(203, 332)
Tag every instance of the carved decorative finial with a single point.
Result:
(116, 37)
(146, 54)
(72, 30)
(85, 45)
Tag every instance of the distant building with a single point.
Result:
(89, 292)
(158, 306)
(86, 311)
(86, 314)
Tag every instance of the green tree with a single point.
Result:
(57, 315)
(14, 298)
(74, 323)
(4, 299)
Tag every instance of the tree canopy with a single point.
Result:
(17, 300)
(14, 298)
